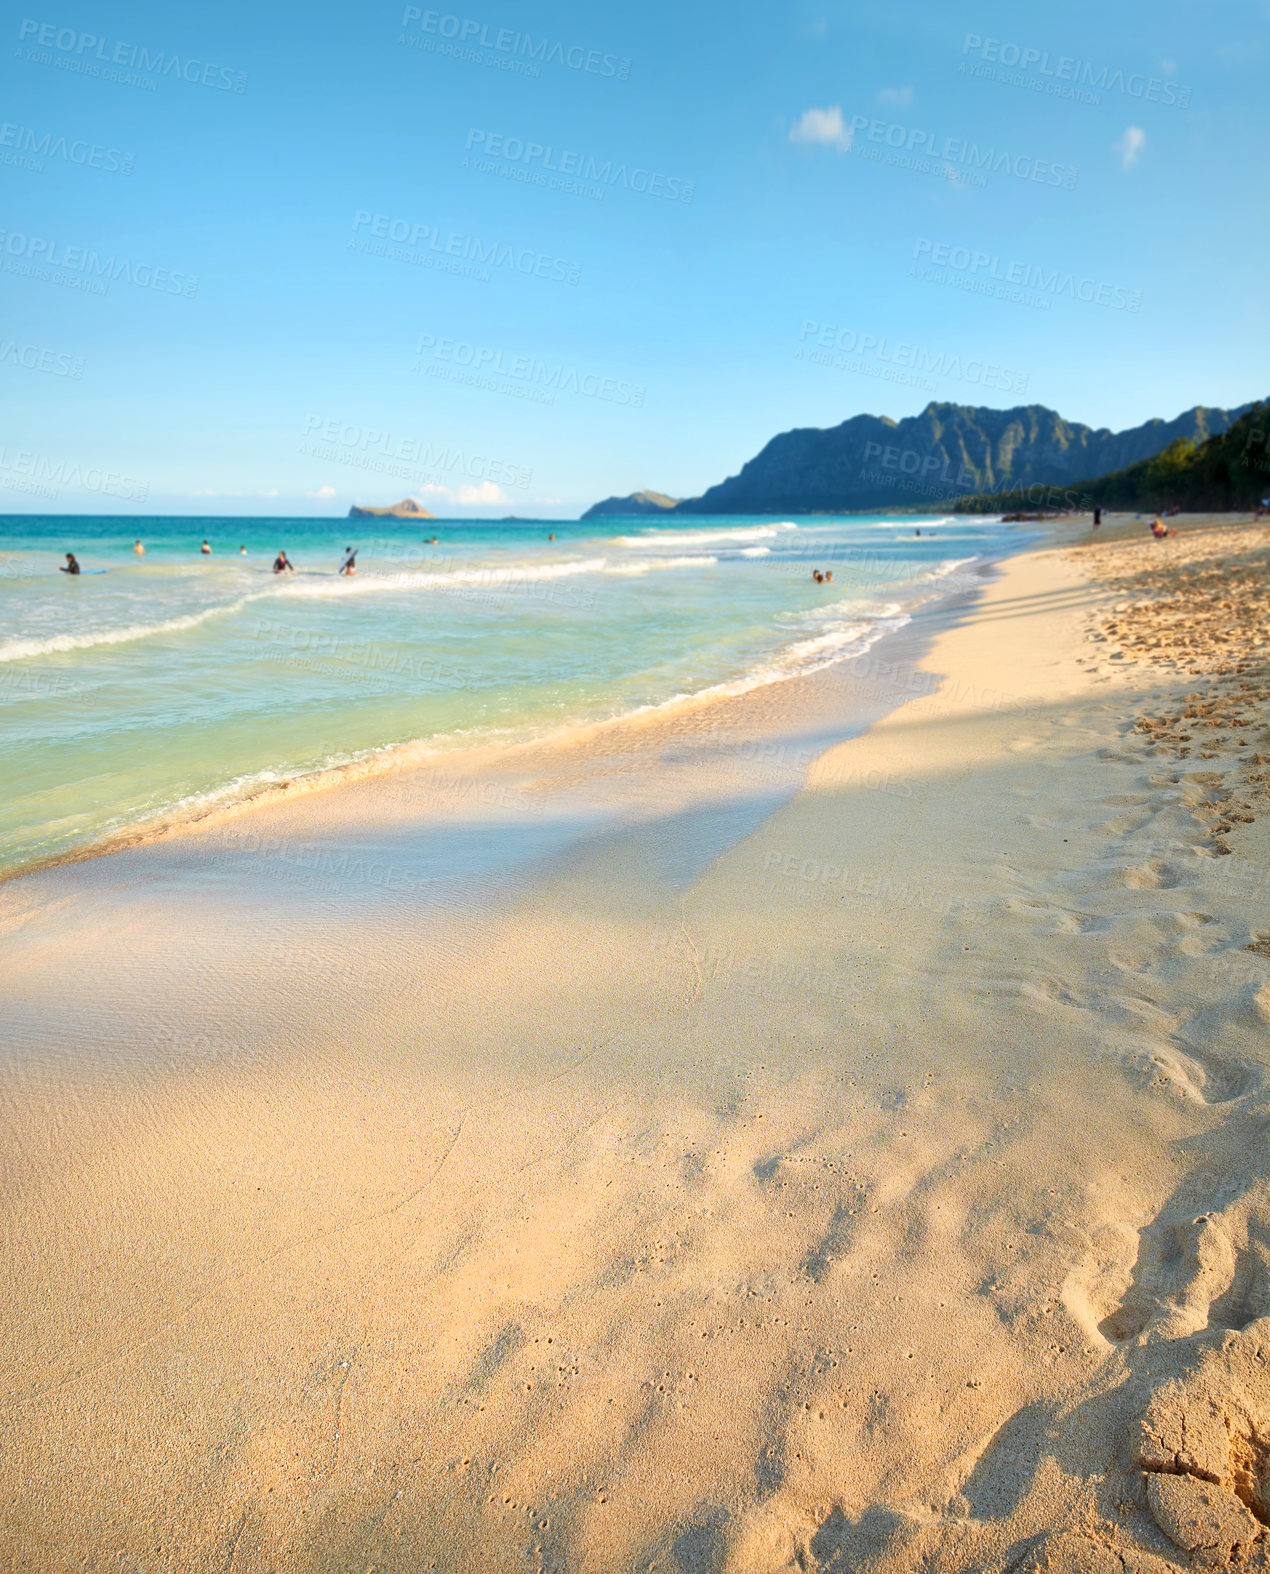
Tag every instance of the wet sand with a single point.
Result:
(715, 1148)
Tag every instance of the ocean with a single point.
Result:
(175, 681)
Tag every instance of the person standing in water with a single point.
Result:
(71, 565)
(205, 549)
(138, 549)
(349, 565)
(282, 564)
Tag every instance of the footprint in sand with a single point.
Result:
(1191, 1074)
(1157, 876)
(1056, 920)
(1181, 1270)
(1204, 1444)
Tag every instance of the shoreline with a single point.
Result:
(214, 806)
(880, 1131)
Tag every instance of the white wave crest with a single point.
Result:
(20, 649)
(648, 564)
(512, 574)
(705, 537)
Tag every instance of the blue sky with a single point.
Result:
(513, 259)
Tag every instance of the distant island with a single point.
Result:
(636, 503)
(406, 509)
(950, 450)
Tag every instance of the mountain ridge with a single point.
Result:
(646, 502)
(948, 450)
(1228, 470)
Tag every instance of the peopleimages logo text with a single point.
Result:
(471, 34)
(958, 152)
(39, 469)
(988, 266)
(909, 357)
(38, 358)
(39, 254)
(370, 441)
(71, 43)
(540, 157)
(486, 364)
(47, 144)
(1081, 73)
(422, 239)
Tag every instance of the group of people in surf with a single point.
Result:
(282, 564)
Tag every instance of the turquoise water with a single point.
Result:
(174, 679)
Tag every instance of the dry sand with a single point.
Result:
(889, 1191)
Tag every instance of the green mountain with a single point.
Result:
(1229, 470)
(636, 503)
(949, 450)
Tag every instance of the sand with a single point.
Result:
(772, 1156)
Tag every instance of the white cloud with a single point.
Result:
(322, 491)
(272, 492)
(1129, 146)
(487, 492)
(895, 97)
(824, 126)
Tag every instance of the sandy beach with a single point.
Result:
(821, 1130)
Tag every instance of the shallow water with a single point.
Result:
(176, 680)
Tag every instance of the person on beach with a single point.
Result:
(349, 565)
(71, 566)
(1097, 517)
(282, 564)
(205, 549)
(138, 549)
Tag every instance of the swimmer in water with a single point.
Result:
(282, 564)
(829, 576)
(242, 551)
(917, 532)
(551, 538)
(817, 576)
(72, 565)
(138, 549)
(349, 565)
(205, 550)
